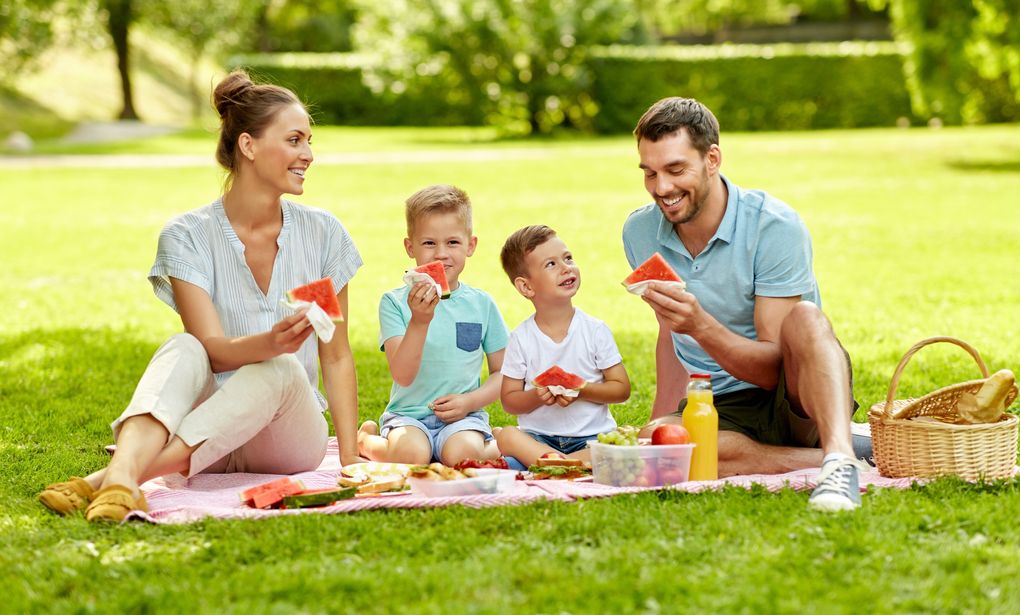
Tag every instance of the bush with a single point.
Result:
(340, 88)
(756, 87)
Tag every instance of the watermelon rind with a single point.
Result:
(437, 271)
(323, 497)
(655, 268)
(286, 484)
(321, 293)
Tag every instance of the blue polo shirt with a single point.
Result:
(761, 248)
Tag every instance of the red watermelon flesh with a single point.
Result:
(557, 376)
(437, 272)
(271, 493)
(655, 268)
(320, 292)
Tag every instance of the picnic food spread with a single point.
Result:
(321, 293)
(620, 459)
(289, 493)
(374, 477)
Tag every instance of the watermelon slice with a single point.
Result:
(437, 272)
(320, 292)
(557, 376)
(272, 493)
(655, 268)
(318, 497)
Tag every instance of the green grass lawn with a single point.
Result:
(914, 235)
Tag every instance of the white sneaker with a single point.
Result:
(838, 486)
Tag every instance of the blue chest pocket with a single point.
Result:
(469, 336)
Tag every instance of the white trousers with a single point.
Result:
(265, 419)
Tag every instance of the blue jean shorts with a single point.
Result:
(436, 430)
(564, 444)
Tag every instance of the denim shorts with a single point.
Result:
(436, 430)
(564, 444)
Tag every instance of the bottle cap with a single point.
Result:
(700, 376)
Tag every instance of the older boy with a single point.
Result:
(435, 348)
(543, 270)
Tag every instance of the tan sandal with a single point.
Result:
(70, 496)
(113, 503)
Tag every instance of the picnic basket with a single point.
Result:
(928, 448)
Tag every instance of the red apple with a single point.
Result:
(670, 434)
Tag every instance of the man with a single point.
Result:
(750, 316)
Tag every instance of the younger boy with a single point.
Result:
(542, 269)
(435, 347)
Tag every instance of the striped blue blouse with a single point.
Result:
(202, 248)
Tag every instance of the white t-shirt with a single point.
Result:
(587, 349)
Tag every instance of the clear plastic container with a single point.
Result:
(488, 481)
(646, 465)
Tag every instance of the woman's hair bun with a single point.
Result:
(230, 91)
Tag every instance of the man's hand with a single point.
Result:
(451, 408)
(422, 300)
(677, 309)
(287, 335)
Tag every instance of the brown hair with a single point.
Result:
(245, 107)
(519, 245)
(671, 114)
(438, 199)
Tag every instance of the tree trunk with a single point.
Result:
(119, 17)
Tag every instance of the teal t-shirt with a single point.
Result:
(464, 329)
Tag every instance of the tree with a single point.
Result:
(119, 15)
(203, 26)
(25, 31)
(522, 61)
(964, 59)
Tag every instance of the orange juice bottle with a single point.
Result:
(702, 422)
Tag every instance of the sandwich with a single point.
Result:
(554, 466)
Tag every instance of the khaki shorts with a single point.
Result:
(765, 416)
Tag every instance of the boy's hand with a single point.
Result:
(564, 401)
(450, 408)
(422, 300)
(545, 396)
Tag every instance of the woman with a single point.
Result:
(238, 391)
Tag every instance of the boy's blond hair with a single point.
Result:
(519, 245)
(438, 199)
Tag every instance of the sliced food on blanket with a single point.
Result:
(437, 271)
(557, 467)
(322, 293)
(437, 471)
(496, 464)
(556, 376)
(655, 269)
(317, 497)
(271, 494)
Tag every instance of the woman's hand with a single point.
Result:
(287, 335)
(422, 300)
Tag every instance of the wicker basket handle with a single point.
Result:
(887, 411)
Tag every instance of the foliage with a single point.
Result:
(965, 62)
(755, 87)
(26, 28)
(306, 25)
(520, 61)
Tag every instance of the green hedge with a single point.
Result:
(340, 88)
(749, 87)
(756, 87)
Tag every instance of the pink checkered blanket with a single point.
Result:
(173, 499)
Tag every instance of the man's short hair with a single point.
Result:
(519, 245)
(438, 199)
(671, 114)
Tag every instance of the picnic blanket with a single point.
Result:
(174, 499)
